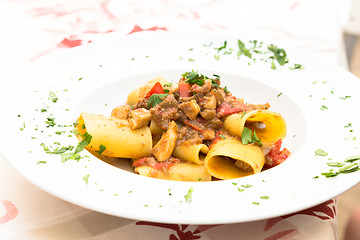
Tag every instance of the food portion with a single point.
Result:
(192, 130)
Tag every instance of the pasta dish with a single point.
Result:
(192, 130)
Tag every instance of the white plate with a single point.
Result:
(98, 77)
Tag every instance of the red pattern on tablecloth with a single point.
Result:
(181, 230)
(139, 29)
(11, 212)
(280, 235)
(327, 209)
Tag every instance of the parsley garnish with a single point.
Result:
(52, 96)
(320, 152)
(352, 159)
(83, 143)
(86, 178)
(194, 78)
(248, 136)
(101, 149)
(167, 85)
(344, 98)
(70, 156)
(297, 66)
(221, 47)
(243, 50)
(335, 164)
(21, 129)
(155, 99)
(50, 122)
(279, 54)
(57, 150)
(344, 170)
(323, 107)
(188, 196)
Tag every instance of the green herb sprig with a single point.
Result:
(248, 136)
(155, 99)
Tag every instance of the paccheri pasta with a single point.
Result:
(193, 130)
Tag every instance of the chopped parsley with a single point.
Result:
(101, 149)
(86, 178)
(155, 99)
(188, 196)
(297, 66)
(167, 85)
(243, 50)
(81, 145)
(344, 98)
(352, 159)
(344, 170)
(52, 96)
(323, 107)
(270, 52)
(279, 54)
(320, 152)
(66, 156)
(222, 136)
(50, 122)
(70, 156)
(194, 78)
(335, 164)
(221, 47)
(248, 136)
(58, 150)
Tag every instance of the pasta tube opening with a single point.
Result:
(229, 158)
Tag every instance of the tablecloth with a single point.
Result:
(33, 29)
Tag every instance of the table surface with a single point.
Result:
(33, 29)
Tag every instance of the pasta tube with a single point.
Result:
(229, 158)
(194, 153)
(115, 135)
(269, 126)
(183, 171)
(155, 129)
